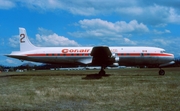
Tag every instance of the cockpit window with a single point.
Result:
(163, 51)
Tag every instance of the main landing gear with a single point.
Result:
(161, 72)
(102, 72)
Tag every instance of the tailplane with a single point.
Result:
(25, 44)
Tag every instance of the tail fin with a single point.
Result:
(25, 44)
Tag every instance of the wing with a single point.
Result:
(101, 56)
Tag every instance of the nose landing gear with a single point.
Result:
(161, 72)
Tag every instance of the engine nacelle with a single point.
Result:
(115, 57)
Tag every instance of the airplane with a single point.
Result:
(102, 56)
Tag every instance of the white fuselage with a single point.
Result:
(81, 55)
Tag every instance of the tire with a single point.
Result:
(161, 72)
(102, 72)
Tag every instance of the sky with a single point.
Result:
(89, 23)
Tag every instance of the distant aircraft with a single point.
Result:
(98, 56)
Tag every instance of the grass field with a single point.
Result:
(122, 90)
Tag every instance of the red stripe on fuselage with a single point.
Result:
(35, 54)
(159, 54)
(87, 54)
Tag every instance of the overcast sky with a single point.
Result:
(90, 23)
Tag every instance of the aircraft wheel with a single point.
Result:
(161, 72)
(102, 72)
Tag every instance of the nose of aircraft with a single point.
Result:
(168, 60)
(172, 57)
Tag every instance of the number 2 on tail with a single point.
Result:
(22, 36)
